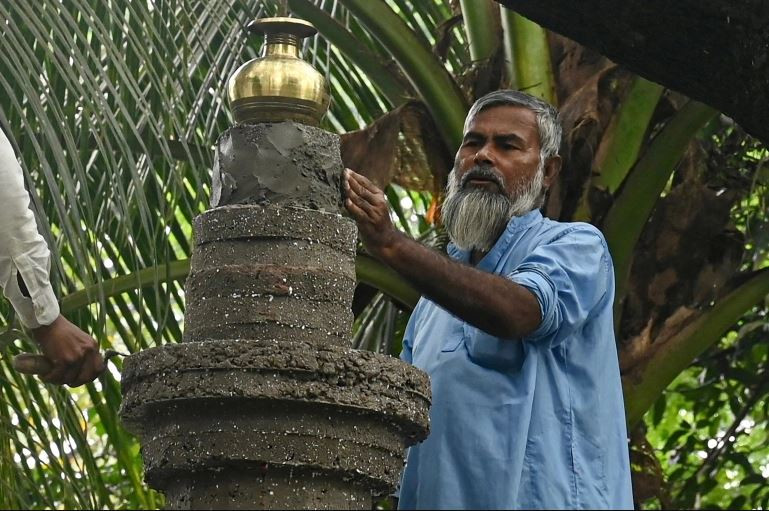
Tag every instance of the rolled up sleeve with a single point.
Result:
(569, 276)
(23, 250)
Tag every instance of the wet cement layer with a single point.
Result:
(233, 301)
(355, 446)
(268, 272)
(283, 163)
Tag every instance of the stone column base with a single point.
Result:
(241, 424)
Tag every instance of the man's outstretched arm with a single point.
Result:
(490, 302)
(24, 265)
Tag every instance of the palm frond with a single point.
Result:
(114, 108)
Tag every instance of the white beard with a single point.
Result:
(474, 218)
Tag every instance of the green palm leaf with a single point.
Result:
(115, 106)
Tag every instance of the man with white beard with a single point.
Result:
(514, 328)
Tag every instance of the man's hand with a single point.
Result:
(73, 353)
(368, 207)
(493, 303)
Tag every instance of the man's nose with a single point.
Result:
(483, 157)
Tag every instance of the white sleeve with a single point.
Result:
(22, 249)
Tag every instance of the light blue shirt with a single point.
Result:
(525, 423)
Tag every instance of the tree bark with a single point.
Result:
(714, 51)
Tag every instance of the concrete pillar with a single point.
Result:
(264, 404)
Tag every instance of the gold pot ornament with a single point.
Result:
(278, 85)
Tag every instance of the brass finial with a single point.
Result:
(279, 85)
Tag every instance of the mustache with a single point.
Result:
(483, 172)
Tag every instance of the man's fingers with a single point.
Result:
(371, 201)
(361, 202)
(371, 197)
(371, 210)
(363, 181)
(72, 372)
(92, 368)
(56, 375)
(356, 211)
(363, 186)
(367, 206)
(64, 372)
(354, 186)
(74, 355)
(75, 374)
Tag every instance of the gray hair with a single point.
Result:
(548, 124)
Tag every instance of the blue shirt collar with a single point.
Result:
(514, 229)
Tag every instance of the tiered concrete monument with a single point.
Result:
(264, 404)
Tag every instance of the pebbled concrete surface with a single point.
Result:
(264, 404)
(271, 419)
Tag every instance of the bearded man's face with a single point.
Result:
(497, 174)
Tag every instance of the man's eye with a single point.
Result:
(470, 143)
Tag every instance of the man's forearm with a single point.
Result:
(490, 302)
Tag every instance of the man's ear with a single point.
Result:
(552, 168)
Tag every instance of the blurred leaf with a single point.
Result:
(674, 439)
(738, 502)
(659, 409)
(678, 352)
(531, 59)
(643, 186)
(434, 84)
(742, 460)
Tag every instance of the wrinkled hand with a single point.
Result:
(368, 207)
(73, 353)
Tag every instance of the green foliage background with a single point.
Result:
(115, 106)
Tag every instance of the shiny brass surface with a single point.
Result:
(279, 85)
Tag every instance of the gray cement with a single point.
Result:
(283, 163)
(256, 222)
(292, 315)
(266, 330)
(274, 252)
(231, 487)
(264, 404)
(267, 280)
(305, 415)
(271, 272)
